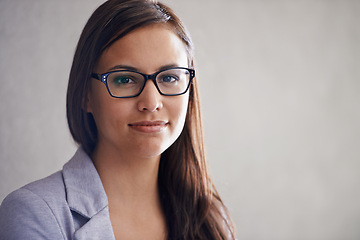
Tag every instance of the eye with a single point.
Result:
(122, 80)
(169, 78)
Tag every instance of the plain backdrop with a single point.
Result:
(280, 91)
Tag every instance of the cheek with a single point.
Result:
(179, 110)
(115, 112)
(108, 112)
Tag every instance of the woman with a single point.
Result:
(133, 108)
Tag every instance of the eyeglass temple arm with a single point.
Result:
(96, 76)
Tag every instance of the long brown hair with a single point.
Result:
(192, 206)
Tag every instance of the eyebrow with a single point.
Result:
(121, 67)
(126, 67)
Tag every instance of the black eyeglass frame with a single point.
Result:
(103, 79)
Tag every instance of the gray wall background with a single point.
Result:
(280, 89)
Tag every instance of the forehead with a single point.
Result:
(146, 49)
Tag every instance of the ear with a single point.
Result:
(88, 105)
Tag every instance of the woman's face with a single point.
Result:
(146, 125)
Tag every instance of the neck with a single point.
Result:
(130, 183)
(127, 178)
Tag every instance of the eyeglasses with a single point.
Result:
(127, 84)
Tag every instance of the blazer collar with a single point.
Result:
(86, 196)
(84, 189)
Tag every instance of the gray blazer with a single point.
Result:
(70, 204)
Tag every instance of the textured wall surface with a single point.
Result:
(280, 91)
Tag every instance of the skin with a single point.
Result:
(127, 156)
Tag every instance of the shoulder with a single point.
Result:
(50, 188)
(35, 211)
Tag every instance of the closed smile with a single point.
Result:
(149, 126)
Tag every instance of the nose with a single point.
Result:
(150, 99)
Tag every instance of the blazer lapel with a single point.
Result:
(98, 227)
(86, 196)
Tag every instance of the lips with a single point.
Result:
(149, 126)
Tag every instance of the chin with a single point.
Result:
(151, 151)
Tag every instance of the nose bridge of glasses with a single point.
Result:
(150, 76)
(152, 85)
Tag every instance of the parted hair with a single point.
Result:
(192, 206)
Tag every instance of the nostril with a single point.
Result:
(149, 107)
(150, 99)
